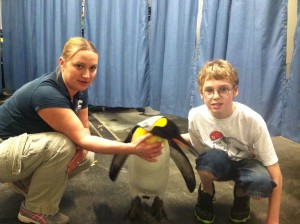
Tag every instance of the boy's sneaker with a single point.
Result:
(18, 187)
(26, 216)
(240, 211)
(204, 209)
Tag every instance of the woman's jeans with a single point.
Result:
(248, 174)
(40, 160)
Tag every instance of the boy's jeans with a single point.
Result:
(42, 160)
(248, 174)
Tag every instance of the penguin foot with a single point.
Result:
(135, 211)
(157, 209)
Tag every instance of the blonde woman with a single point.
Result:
(45, 134)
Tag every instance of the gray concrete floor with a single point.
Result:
(93, 198)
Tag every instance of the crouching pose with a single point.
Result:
(237, 146)
(45, 138)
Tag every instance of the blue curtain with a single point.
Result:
(119, 30)
(172, 44)
(161, 72)
(291, 119)
(34, 33)
(252, 36)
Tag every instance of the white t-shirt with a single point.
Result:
(242, 135)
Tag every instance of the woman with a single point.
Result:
(45, 134)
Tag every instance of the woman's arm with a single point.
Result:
(83, 116)
(81, 153)
(65, 121)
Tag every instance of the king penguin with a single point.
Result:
(150, 179)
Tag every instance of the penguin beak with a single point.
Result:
(185, 145)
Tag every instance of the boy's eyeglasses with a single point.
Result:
(223, 91)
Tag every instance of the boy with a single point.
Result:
(238, 147)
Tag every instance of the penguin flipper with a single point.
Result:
(119, 159)
(116, 165)
(184, 165)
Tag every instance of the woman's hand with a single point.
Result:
(78, 158)
(145, 150)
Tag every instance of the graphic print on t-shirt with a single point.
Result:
(235, 149)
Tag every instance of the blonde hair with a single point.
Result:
(217, 69)
(72, 47)
(76, 44)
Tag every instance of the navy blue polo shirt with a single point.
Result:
(18, 114)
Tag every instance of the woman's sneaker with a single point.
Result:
(204, 209)
(26, 216)
(240, 211)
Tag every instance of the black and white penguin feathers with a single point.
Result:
(149, 179)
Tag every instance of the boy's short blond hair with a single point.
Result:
(217, 69)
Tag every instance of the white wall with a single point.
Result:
(291, 26)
